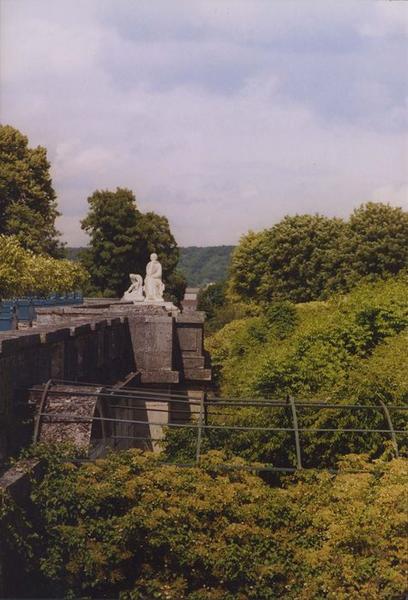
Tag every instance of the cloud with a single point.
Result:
(222, 116)
(394, 195)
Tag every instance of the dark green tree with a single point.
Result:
(122, 239)
(211, 298)
(377, 243)
(308, 257)
(28, 205)
(293, 260)
(205, 265)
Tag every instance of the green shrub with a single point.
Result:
(350, 350)
(128, 527)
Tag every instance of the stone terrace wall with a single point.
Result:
(99, 351)
(96, 345)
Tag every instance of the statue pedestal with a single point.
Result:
(167, 306)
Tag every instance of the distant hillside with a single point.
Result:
(204, 265)
(200, 265)
(72, 253)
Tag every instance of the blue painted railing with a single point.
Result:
(23, 309)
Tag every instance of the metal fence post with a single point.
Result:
(296, 430)
(199, 429)
(390, 424)
(41, 410)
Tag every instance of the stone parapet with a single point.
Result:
(95, 346)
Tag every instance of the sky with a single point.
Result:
(223, 116)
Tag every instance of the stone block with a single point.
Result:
(190, 334)
(193, 362)
(153, 342)
(197, 374)
(160, 376)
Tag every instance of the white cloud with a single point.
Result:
(152, 111)
(386, 19)
(393, 194)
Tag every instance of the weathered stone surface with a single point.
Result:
(160, 376)
(153, 342)
(16, 481)
(193, 362)
(190, 300)
(70, 414)
(99, 345)
(97, 354)
(197, 374)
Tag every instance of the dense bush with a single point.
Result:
(23, 272)
(128, 527)
(219, 311)
(319, 348)
(350, 350)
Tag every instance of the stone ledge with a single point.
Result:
(17, 480)
(193, 362)
(160, 376)
(191, 317)
(197, 374)
(18, 341)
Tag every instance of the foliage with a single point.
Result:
(210, 298)
(352, 349)
(22, 272)
(74, 253)
(27, 199)
(328, 339)
(127, 526)
(307, 257)
(175, 287)
(219, 309)
(204, 265)
(282, 318)
(378, 240)
(122, 239)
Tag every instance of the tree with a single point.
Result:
(377, 243)
(293, 260)
(211, 298)
(307, 257)
(122, 239)
(22, 272)
(27, 199)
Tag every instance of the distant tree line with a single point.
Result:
(204, 265)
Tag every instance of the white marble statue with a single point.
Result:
(135, 292)
(153, 285)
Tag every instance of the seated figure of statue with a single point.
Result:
(153, 285)
(135, 292)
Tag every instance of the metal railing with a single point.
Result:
(205, 416)
(15, 310)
